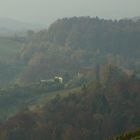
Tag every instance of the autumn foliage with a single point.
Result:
(99, 111)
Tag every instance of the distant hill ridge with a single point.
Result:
(10, 26)
(136, 18)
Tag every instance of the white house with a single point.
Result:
(59, 79)
(56, 79)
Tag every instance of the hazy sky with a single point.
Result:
(46, 11)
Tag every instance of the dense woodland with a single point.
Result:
(100, 110)
(99, 98)
(71, 45)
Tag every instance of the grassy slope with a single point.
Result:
(8, 49)
(9, 106)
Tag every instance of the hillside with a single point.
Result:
(74, 44)
(99, 63)
(9, 48)
(71, 46)
(100, 110)
(15, 98)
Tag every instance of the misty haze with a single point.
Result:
(70, 70)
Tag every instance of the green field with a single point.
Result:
(14, 99)
(8, 49)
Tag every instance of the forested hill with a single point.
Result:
(103, 101)
(93, 33)
(100, 110)
(72, 44)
